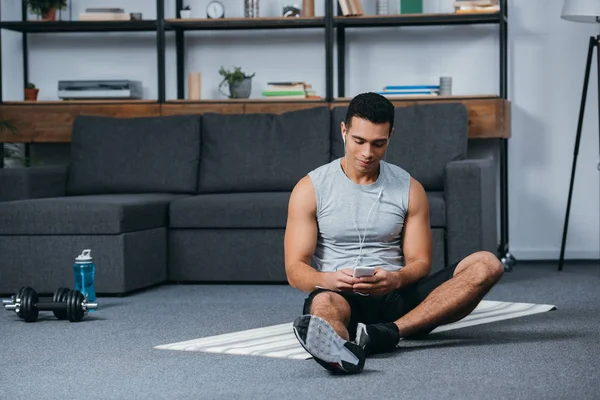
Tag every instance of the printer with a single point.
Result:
(99, 90)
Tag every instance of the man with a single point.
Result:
(359, 211)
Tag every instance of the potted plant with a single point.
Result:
(185, 12)
(46, 8)
(31, 92)
(240, 83)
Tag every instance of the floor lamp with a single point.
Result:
(581, 11)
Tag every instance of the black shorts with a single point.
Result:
(388, 307)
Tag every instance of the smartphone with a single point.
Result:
(363, 271)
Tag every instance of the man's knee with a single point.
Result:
(488, 269)
(484, 268)
(326, 303)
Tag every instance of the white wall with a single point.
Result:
(548, 57)
(546, 60)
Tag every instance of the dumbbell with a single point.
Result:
(58, 297)
(74, 305)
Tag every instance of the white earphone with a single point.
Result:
(361, 239)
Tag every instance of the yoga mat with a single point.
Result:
(279, 340)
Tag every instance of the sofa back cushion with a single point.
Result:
(426, 137)
(134, 155)
(262, 152)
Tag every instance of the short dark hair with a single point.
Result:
(370, 106)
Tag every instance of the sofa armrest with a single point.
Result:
(470, 194)
(33, 183)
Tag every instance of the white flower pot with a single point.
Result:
(185, 14)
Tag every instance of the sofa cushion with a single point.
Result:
(231, 210)
(84, 215)
(262, 152)
(134, 155)
(426, 137)
(437, 209)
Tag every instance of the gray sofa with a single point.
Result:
(203, 198)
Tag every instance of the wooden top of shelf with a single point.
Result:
(252, 23)
(261, 100)
(74, 102)
(431, 98)
(417, 19)
(489, 116)
(80, 26)
(241, 101)
(245, 23)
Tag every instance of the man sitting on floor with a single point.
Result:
(360, 211)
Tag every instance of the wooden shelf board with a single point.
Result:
(261, 100)
(489, 116)
(258, 19)
(430, 98)
(245, 23)
(417, 19)
(74, 102)
(80, 26)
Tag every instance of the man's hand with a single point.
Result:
(340, 280)
(382, 282)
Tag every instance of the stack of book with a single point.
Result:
(410, 90)
(351, 7)
(104, 14)
(476, 6)
(289, 90)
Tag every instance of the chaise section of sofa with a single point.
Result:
(233, 229)
(115, 199)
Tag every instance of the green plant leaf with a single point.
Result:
(41, 7)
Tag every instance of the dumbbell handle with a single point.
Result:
(50, 306)
(13, 300)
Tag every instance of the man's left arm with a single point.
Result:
(417, 244)
(417, 248)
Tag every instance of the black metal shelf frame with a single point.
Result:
(334, 30)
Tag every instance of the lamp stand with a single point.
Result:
(594, 42)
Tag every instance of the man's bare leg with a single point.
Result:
(334, 309)
(324, 335)
(474, 276)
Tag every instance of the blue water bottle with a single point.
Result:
(83, 274)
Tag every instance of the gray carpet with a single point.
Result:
(553, 355)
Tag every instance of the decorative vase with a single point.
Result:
(308, 8)
(50, 15)
(31, 94)
(241, 90)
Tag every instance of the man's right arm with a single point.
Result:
(300, 243)
(301, 237)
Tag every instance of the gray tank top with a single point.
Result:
(347, 212)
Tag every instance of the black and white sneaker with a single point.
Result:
(327, 347)
(362, 338)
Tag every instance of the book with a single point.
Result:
(461, 3)
(412, 93)
(104, 17)
(284, 93)
(412, 87)
(104, 10)
(411, 6)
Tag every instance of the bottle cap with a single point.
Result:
(84, 257)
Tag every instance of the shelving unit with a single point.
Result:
(489, 115)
